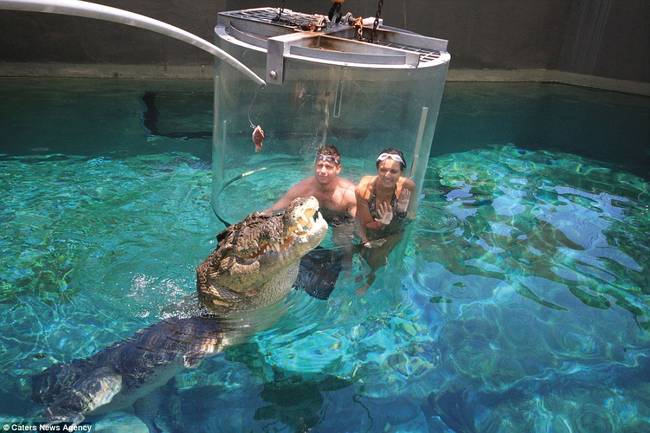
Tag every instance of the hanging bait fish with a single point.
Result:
(258, 138)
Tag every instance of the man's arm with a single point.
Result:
(298, 190)
(350, 199)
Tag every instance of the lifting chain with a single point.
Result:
(280, 11)
(358, 26)
(380, 4)
(335, 13)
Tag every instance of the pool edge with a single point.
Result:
(204, 72)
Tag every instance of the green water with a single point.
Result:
(523, 304)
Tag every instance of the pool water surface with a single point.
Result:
(522, 305)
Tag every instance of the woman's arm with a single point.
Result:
(409, 185)
(363, 213)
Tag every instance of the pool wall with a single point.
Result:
(596, 43)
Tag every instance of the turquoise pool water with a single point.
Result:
(523, 305)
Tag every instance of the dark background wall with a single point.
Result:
(608, 38)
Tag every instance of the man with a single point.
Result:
(335, 195)
(319, 270)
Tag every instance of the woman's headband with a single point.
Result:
(393, 156)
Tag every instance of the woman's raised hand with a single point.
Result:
(385, 212)
(403, 201)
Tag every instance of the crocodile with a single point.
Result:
(253, 267)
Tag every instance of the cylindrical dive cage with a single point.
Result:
(359, 89)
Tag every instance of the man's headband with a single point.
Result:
(328, 158)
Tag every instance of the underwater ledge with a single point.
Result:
(205, 72)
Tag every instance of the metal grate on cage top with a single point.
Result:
(353, 42)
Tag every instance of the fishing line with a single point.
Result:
(250, 107)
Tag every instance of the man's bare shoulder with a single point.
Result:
(348, 189)
(346, 184)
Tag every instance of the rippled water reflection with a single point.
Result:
(523, 305)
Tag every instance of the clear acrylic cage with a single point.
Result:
(326, 84)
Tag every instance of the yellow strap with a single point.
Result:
(399, 186)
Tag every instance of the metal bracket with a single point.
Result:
(337, 44)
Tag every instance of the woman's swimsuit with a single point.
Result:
(398, 216)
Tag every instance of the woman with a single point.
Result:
(382, 208)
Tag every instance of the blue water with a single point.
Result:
(523, 305)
